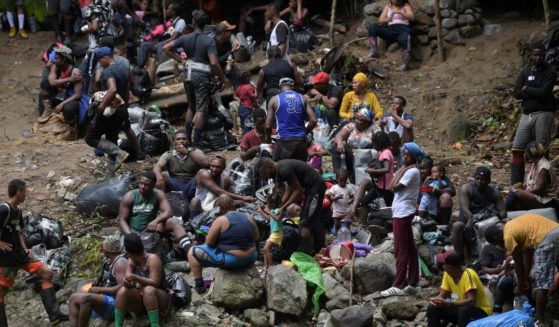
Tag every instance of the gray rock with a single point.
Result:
(286, 291)
(355, 316)
(459, 129)
(324, 319)
(492, 29)
(237, 289)
(399, 307)
(454, 37)
(420, 29)
(466, 20)
(363, 29)
(422, 39)
(425, 254)
(449, 23)
(469, 11)
(432, 33)
(393, 47)
(256, 317)
(373, 9)
(203, 314)
(445, 13)
(470, 31)
(428, 7)
(379, 316)
(446, 4)
(382, 266)
(463, 5)
(337, 296)
(453, 14)
(422, 18)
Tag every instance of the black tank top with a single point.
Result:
(274, 71)
(478, 201)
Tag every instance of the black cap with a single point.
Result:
(483, 171)
(200, 17)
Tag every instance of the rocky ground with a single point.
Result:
(474, 82)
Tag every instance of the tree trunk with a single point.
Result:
(438, 27)
(332, 23)
(546, 14)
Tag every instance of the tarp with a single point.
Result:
(309, 269)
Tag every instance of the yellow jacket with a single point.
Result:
(350, 100)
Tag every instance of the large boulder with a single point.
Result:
(355, 316)
(237, 289)
(459, 129)
(422, 18)
(447, 4)
(256, 317)
(373, 9)
(449, 23)
(454, 37)
(337, 295)
(492, 29)
(470, 31)
(466, 20)
(286, 291)
(399, 307)
(382, 266)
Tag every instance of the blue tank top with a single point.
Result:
(239, 235)
(290, 115)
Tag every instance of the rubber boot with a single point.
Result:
(47, 112)
(51, 306)
(373, 47)
(71, 134)
(405, 61)
(114, 152)
(3, 318)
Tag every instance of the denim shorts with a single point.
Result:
(209, 256)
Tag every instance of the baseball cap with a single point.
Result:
(225, 26)
(200, 17)
(321, 77)
(286, 81)
(64, 51)
(483, 171)
(103, 52)
(415, 151)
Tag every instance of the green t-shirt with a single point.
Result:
(143, 211)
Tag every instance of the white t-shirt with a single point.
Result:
(341, 206)
(405, 200)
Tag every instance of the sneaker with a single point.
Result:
(393, 291)
(402, 68)
(23, 34)
(410, 290)
(12, 33)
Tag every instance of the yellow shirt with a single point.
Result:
(527, 231)
(469, 281)
(369, 101)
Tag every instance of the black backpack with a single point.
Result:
(289, 244)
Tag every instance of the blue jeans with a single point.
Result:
(244, 113)
(400, 33)
(188, 187)
(210, 256)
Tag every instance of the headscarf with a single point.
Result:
(64, 51)
(361, 77)
(366, 113)
(415, 151)
(111, 244)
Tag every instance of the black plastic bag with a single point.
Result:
(289, 244)
(243, 177)
(40, 229)
(153, 135)
(206, 218)
(178, 203)
(217, 140)
(104, 198)
(141, 84)
(181, 293)
(302, 40)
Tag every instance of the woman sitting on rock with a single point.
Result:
(360, 98)
(351, 137)
(144, 281)
(230, 243)
(394, 26)
(541, 183)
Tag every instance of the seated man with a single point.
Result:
(182, 164)
(397, 120)
(326, 96)
(211, 183)
(478, 201)
(147, 209)
(99, 301)
(250, 143)
(174, 27)
(532, 239)
(462, 298)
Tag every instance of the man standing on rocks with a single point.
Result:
(534, 87)
(15, 255)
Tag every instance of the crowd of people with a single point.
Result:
(374, 157)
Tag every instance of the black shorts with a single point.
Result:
(198, 92)
(312, 206)
(291, 149)
(108, 126)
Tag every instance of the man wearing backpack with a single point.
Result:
(15, 255)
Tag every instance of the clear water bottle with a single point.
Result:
(344, 234)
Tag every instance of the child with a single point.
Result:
(245, 95)
(432, 188)
(276, 229)
(315, 152)
(341, 195)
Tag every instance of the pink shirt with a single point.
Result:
(383, 182)
(396, 18)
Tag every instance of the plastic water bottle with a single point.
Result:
(344, 234)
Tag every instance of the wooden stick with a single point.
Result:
(546, 14)
(351, 278)
(438, 28)
(332, 23)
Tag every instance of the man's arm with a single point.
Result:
(208, 182)
(470, 299)
(464, 201)
(124, 213)
(260, 84)
(518, 256)
(311, 116)
(295, 191)
(216, 68)
(407, 124)
(164, 207)
(110, 95)
(158, 168)
(545, 89)
(269, 125)
(169, 50)
(500, 204)
(199, 158)
(119, 269)
(54, 81)
(519, 91)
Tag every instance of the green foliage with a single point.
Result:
(88, 250)
(36, 8)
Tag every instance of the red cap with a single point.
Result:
(321, 77)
